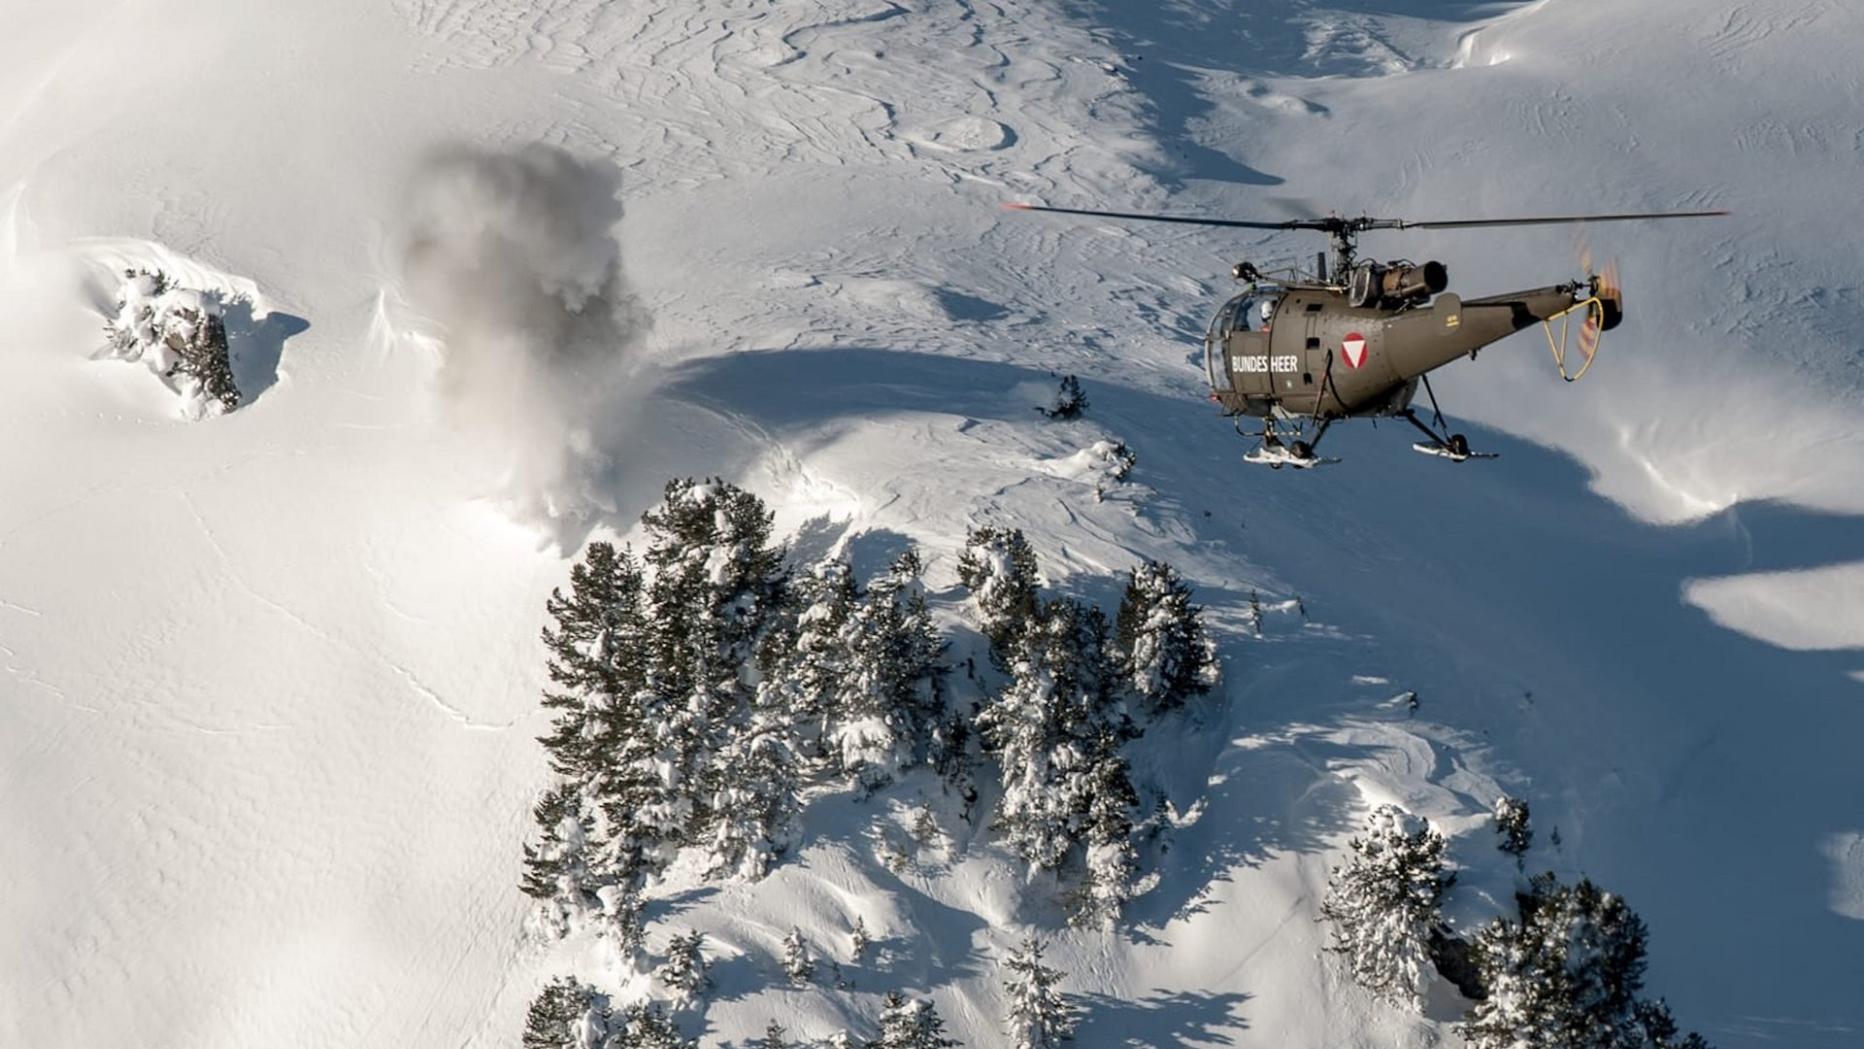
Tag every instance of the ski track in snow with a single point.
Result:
(300, 826)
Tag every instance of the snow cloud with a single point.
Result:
(513, 257)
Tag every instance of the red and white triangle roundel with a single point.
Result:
(1353, 349)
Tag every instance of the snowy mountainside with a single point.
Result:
(270, 680)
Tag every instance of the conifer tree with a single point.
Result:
(597, 648)
(906, 1023)
(803, 673)
(858, 940)
(1040, 1016)
(558, 868)
(646, 1026)
(1567, 974)
(775, 1037)
(999, 568)
(623, 918)
(1045, 728)
(1511, 824)
(1111, 859)
(684, 973)
(1165, 653)
(1653, 1023)
(755, 801)
(1384, 904)
(717, 585)
(566, 1015)
(796, 961)
(890, 696)
(1070, 401)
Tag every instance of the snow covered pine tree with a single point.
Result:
(645, 1026)
(596, 668)
(684, 973)
(1511, 824)
(1166, 655)
(557, 871)
(1384, 904)
(1055, 729)
(909, 1024)
(999, 568)
(718, 584)
(796, 961)
(1070, 401)
(567, 1015)
(1110, 859)
(1040, 1016)
(1567, 974)
(890, 700)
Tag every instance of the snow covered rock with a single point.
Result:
(181, 335)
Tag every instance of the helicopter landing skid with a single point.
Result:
(1454, 447)
(1276, 456)
(1273, 454)
(1445, 451)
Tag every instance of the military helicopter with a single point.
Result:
(1299, 350)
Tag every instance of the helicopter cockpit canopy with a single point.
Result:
(1251, 311)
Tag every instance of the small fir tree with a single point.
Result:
(1040, 1016)
(1165, 653)
(646, 1026)
(907, 1023)
(925, 829)
(1384, 904)
(623, 918)
(558, 868)
(1111, 861)
(1070, 401)
(775, 1037)
(859, 941)
(684, 973)
(796, 961)
(566, 1015)
(999, 568)
(1511, 825)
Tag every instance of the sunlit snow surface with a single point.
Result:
(270, 680)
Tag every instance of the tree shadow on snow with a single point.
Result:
(1166, 1020)
(255, 345)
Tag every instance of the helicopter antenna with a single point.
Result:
(1343, 233)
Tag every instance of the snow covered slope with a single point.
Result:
(270, 680)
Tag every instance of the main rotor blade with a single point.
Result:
(1180, 219)
(1554, 220)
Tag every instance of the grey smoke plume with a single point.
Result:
(513, 256)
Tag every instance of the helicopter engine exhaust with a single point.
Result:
(1405, 283)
